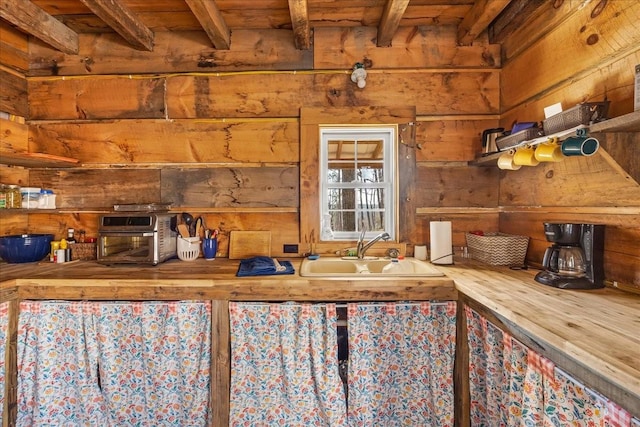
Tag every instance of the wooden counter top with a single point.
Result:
(202, 279)
(596, 332)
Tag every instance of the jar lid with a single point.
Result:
(30, 190)
(43, 191)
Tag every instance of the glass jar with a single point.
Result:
(30, 197)
(3, 196)
(14, 198)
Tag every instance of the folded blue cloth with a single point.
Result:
(262, 266)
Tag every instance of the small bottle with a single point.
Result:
(71, 236)
(65, 251)
(82, 235)
(55, 246)
(392, 267)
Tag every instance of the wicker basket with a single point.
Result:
(83, 251)
(188, 248)
(498, 248)
(581, 114)
(510, 141)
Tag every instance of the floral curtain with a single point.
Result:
(155, 362)
(284, 366)
(4, 326)
(57, 366)
(401, 359)
(536, 393)
(113, 364)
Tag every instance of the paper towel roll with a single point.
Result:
(441, 243)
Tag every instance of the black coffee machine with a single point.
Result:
(576, 258)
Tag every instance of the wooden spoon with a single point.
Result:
(183, 230)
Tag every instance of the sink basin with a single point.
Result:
(339, 267)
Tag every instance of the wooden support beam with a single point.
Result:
(393, 12)
(123, 21)
(211, 20)
(34, 21)
(514, 16)
(299, 11)
(478, 19)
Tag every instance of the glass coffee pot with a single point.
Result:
(571, 261)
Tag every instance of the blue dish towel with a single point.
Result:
(262, 266)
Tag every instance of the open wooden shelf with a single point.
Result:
(593, 210)
(626, 123)
(37, 160)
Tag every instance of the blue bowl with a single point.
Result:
(25, 247)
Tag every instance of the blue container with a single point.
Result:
(25, 247)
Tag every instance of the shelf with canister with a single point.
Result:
(562, 135)
(554, 148)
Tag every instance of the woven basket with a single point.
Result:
(581, 114)
(498, 248)
(83, 251)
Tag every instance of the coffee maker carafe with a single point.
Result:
(575, 260)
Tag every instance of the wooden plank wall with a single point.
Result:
(217, 133)
(570, 55)
(14, 133)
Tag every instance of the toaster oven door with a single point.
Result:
(127, 248)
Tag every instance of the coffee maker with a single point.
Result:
(575, 260)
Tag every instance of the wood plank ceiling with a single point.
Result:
(58, 22)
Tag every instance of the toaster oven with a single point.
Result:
(136, 238)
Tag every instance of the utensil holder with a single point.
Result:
(188, 248)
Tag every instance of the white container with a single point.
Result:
(397, 266)
(30, 197)
(188, 248)
(420, 252)
(47, 199)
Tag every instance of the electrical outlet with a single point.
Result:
(290, 249)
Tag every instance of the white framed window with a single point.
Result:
(358, 181)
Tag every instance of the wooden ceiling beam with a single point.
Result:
(481, 14)
(34, 21)
(123, 21)
(211, 20)
(390, 21)
(513, 17)
(299, 11)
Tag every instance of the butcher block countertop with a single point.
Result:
(596, 334)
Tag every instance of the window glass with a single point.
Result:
(357, 188)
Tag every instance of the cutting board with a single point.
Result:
(247, 244)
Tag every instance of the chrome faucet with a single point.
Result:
(362, 248)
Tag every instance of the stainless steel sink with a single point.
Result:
(341, 267)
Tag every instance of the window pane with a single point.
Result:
(372, 220)
(343, 221)
(341, 199)
(346, 173)
(351, 150)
